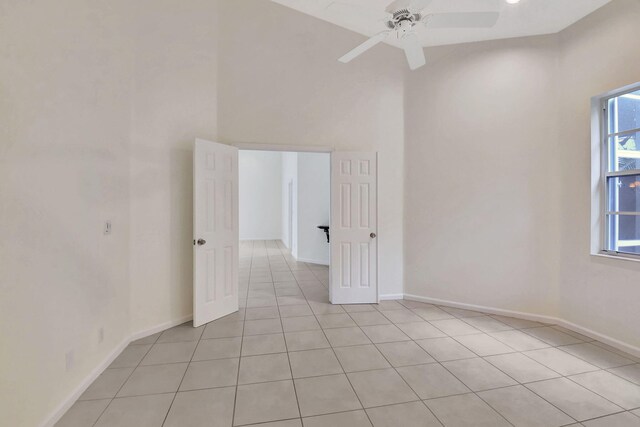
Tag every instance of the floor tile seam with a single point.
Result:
(597, 393)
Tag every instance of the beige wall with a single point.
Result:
(65, 79)
(174, 100)
(498, 174)
(280, 83)
(598, 54)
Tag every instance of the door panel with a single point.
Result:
(216, 233)
(354, 248)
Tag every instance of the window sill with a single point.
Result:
(618, 257)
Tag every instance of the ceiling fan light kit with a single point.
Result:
(405, 18)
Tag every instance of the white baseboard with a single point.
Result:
(389, 297)
(61, 409)
(613, 342)
(245, 239)
(312, 261)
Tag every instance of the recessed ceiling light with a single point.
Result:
(513, 1)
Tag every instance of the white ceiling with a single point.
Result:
(528, 18)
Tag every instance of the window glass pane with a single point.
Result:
(624, 152)
(624, 193)
(624, 112)
(624, 233)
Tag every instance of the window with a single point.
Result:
(620, 159)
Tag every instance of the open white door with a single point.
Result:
(215, 231)
(354, 208)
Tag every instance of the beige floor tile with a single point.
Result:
(83, 413)
(151, 339)
(220, 348)
(623, 419)
(381, 387)
(560, 361)
(420, 330)
(263, 344)
(431, 381)
(384, 333)
(401, 316)
(264, 368)
(404, 353)
(285, 423)
(184, 332)
(306, 340)
(573, 399)
(342, 320)
(357, 308)
(326, 394)
(487, 324)
(342, 337)
(597, 356)
(130, 356)
(521, 368)
(297, 324)
(445, 349)
(369, 318)
(222, 330)
(139, 411)
(432, 313)
(311, 363)
(618, 390)
(211, 408)
(629, 373)
(461, 313)
(454, 327)
(361, 358)
(295, 311)
(413, 414)
(465, 410)
(258, 403)
(552, 336)
(521, 407)
(517, 323)
(262, 327)
(518, 340)
(259, 313)
(172, 352)
(210, 374)
(484, 345)
(343, 419)
(261, 302)
(477, 374)
(154, 379)
(389, 305)
(291, 300)
(107, 384)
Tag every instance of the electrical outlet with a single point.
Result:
(107, 227)
(69, 360)
(100, 335)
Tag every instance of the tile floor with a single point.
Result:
(289, 358)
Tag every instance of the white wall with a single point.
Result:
(314, 207)
(260, 197)
(174, 100)
(290, 208)
(65, 83)
(498, 170)
(289, 89)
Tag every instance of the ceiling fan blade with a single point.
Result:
(351, 10)
(413, 51)
(359, 50)
(462, 20)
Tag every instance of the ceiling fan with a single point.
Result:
(406, 18)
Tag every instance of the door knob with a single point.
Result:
(373, 235)
(201, 242)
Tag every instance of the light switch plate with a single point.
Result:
(107, 227)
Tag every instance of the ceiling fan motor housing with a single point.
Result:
(403, 21)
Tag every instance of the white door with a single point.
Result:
(215, 231)
(354, 206)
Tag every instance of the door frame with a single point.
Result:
(256, 146)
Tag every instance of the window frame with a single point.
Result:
(601, 215)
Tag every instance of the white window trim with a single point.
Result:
(599, 173)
